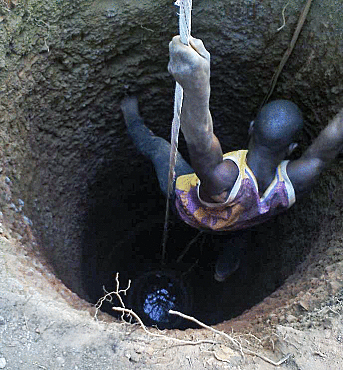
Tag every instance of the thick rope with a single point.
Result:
(185, 33)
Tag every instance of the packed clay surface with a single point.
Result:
(73, 188)
(45, 326)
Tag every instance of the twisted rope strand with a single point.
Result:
(185, 33)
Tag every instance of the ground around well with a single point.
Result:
(45, 326)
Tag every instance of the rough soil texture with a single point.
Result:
(45, 326)
(64, 67)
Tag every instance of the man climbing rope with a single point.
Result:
(226, 193)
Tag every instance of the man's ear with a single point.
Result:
(291, 148)
(251, 128)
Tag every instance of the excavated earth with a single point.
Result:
(79, 204)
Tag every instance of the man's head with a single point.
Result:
(276, 125)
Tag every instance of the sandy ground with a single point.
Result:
(45, 326)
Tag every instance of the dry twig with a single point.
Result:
(234, 341)
(266, 359)
(288, 52)
(140, 322)
(227, 336)
(109, 296)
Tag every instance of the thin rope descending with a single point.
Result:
(289, 50)
(185, 33)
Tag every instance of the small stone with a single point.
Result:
(305, 302)
(149, 350)
(132, 356)
(7, 180)
(3, 363)
(110, 13)
(273, 319)
(315, 282)
(304, 305)
(335, 286)
(45, 47)
(135, 357)
(336, 89)
(327, 323)
(139, 350)
(21, 204)
(60, 360)
(2, 320)
(13, 206)
(37, 331)
(226, 353)
(291, 318)
(27, 221)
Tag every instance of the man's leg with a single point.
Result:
(232, 247)
(153, 147)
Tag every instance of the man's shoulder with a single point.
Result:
(303, 172)
(223, 180)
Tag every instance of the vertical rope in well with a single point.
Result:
(185, 20)
(185, 32)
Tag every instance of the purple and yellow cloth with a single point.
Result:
(243, 208)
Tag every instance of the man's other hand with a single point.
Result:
(190, 65)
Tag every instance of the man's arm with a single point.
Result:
(190, 66)
(304, 171)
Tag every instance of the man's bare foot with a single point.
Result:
(223, 271)
(134, 122)
(129, 107)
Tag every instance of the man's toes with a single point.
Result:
(129, 106)
(224, 269)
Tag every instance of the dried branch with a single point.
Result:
(288, 52)
(190, 318)
(234, 341)
(140, 322)
(108, 297)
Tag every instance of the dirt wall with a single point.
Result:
(66, 66)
